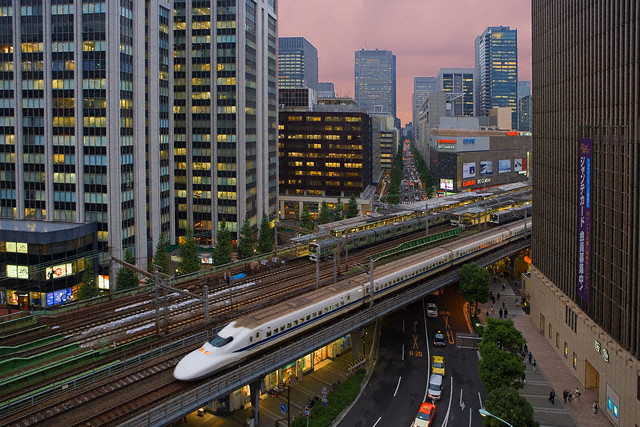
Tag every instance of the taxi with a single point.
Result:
(437, 366)
(425, 415)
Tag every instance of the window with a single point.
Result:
(566, 349)
(550, 331)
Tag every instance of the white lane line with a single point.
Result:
(446, 421)
(480, 399)
(402, 351)
(470, 417)
(426, 390)
(377, 422)
(397, 387)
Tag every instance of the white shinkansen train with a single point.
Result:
(280, 322)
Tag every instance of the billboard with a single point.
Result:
(584, 226)
(58, 297)
(486, 167)
(446, 184)
(504, 166)
(468, 170)
(58, 271)
(519, 165)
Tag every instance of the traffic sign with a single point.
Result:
(283, 408)
(307, 412)
(324, 390)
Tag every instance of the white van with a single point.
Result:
(435, 387)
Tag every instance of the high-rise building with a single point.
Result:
(326, 90)
(225, 115)
(524, 88)
(86, 130)
(421, 87)
(375, 81)
(457, 83)
(297, 63)
(496, 58)
(585, 280)
(524, 114)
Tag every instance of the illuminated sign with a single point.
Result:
(527, 259)
(206, 260)
(469, 141)
(446, 184)
(519, 165)
(103, 281)
(58, 271)
(446, 141)
(504, 166)
(468, 170)
(468, 183)
(584, 220)
(18, 271)
(513, 133)
(486, 167)
(58, 297)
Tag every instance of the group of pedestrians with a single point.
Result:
(503, 312)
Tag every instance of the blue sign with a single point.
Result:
(238, 276)
(306, 412)
(59, 297)
(283, 408)
(469, 141)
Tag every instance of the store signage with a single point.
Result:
(58, 271)
(469, 141)
(484, 180)
(469, 183)
(446, 141)
(584, 220)
(513, 133)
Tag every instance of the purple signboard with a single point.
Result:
(584, 213)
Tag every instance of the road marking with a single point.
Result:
(462, 405)
(377, 422)
(397, 387)
(480, 399)
(470, 412)
(446, 419)
(415, 342)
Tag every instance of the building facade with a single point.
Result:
(375, 81)
(297, 63)
(524, 114)
(496, 69)
(225, 115)
(458, 83)
(79, 143)
(326, 90)
(585, 281)
(421, 87)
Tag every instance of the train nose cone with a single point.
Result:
(183, 371)
(191, 367)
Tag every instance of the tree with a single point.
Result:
(126, 278)
(352, 207)
(89, 288)
(305, 219)
(161, 258)
(507, 404)
(503, 335)
(189, 262)
(337, 214)
(224, 249)
(324, 216)
(265, 238)
(474, 283)
(246, 241)
(499, 368)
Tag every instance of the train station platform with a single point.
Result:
(550, 372)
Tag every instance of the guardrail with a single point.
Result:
(252, 370)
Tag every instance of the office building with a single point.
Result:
(375, 81)
(326, 90)
(524, 114)
(524, 88)
(458, 83)
(496, 69)
(585, 279)
(421, 87)
(86, 132)
(225, 115)
(297, 63)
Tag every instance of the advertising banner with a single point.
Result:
(504, 166)
(584, 227)
(486, 167)
(518, 165)
(468, 170)
(446, 184)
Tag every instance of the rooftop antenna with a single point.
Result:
(365, 45)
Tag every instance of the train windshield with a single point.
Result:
(218, 341)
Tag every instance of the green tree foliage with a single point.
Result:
(423, 172)
(161, 258)
(474, 283)
(499, 368)
(393, 194)
(246, 242)
(126, 278)
(265, 238)
(324, 216)
(352, 207)
(507, 404)
(305, 219)
(224, 248)
(502, 333)
(89, 288)
(337, 213)
(190, 262)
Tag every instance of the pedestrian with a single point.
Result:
(505, 313)
(595, 407)
(498, 296)
(565, 394)
(503, 286)
(552, 397)
(493, 299)
(577, 392)
(500, 313)
(492, 310)
(524, 377)
(526, 348)
(503, 304)
(530, 357)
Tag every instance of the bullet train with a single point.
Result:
(271, 325)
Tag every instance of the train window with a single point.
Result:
(281, 328)
(218, 341)
(250, 339)
(326, 309)
(268, 334)
(341, 303)
(301, 319)
(348, 297)
(288, 325)
(295, 323)
(258, 334)
(314, 314)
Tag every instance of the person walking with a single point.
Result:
(552, 397)
(595, 407)
(503, 305)
(498, 296)
(533, 363)
(505, 313)
(530, 357)
(500, 313)
(577, 392)
(565, 394)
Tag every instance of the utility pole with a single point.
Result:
(426, 214)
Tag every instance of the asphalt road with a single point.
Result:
(398, 384)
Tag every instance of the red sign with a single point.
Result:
(513, 133)
(446, 141)
(468, 183)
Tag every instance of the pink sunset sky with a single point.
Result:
(425, 35)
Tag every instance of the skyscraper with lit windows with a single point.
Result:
(297, 63)
(225, 114)
(496, 58)
(85, 130)
(375, 81)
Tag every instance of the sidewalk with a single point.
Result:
(550, 372)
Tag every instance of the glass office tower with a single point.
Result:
(375, 81)
(297, 63)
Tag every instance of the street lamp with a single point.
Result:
(486, 413)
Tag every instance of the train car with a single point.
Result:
(511, 214)
(276, 323)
